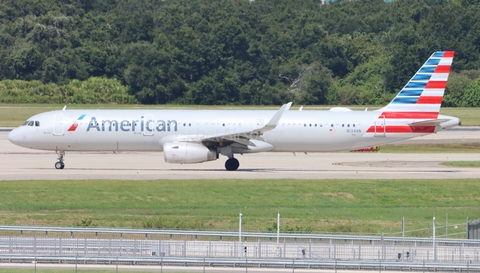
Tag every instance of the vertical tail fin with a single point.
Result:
(421, 97)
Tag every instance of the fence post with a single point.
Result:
(466, 230)
(446, 226)
(434, 243)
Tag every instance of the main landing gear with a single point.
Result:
(232, 164)
(59, 164)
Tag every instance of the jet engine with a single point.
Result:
(187, 152)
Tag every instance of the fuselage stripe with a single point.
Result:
(401, 129)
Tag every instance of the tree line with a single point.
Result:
(232, 51)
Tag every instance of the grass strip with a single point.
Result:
(475, 164)
(333, 205)
(467, 147)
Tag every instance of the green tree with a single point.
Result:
(471, 96)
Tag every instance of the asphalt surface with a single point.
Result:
(19, 163)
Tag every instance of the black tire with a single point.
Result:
(59, 165)
(232, 164)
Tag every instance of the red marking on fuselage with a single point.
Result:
(401, 129)
(73, 127)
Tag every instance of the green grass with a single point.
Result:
(469, 116)
(473, 147)
(12, 115)
(475, 164)
(305, 205)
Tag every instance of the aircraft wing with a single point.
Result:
(242, 138)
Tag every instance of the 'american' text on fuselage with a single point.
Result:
(132, 125)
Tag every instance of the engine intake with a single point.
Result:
(187, 152)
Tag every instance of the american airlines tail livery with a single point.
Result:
(195, 136)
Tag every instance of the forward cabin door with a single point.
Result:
(58, 124)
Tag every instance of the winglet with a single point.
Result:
(64, 108)
(276, 118)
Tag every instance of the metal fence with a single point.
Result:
(156, 263)
(346, 251)
(472, 229)
(92, 242)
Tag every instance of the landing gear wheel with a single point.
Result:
(59, 165)
(231, 164)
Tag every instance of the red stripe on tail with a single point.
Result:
(436, 84)
(430, 100)
(448, 54)
(442, 69)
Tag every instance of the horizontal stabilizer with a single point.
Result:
(431, 122)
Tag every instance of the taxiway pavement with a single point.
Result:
(19, 163)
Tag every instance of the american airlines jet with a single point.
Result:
(195, 136)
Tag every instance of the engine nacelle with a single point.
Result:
(187, 152)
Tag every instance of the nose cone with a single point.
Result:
(13, 136)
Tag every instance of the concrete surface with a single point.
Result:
(19, 163)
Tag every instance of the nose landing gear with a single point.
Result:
(59, 164)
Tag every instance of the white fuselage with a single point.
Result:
(147, 130)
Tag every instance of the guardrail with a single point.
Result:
(43, 244)
(259, 263)
(67, 232)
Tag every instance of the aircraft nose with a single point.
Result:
(13, 136)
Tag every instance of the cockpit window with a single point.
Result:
(35, 123)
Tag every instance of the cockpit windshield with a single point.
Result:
(31, 123)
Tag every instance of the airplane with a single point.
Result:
(195, 136)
